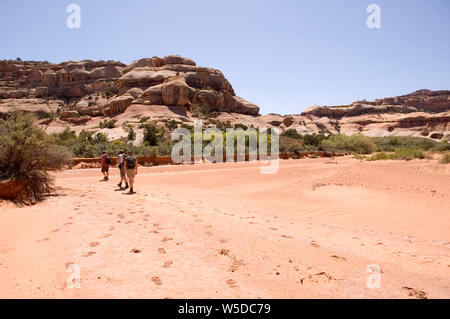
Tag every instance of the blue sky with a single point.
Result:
(283, 55)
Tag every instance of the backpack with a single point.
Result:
(131, 162)
(108, 160)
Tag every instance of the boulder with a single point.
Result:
(117, 104)
(69, 114)
(11, 189)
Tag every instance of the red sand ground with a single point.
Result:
(225, 230)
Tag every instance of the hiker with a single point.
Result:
(106, 161)
(131, 166)
(123, 176)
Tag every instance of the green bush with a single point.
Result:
(107, 124)
(292, 133)
(391, 143)
(171, 125)
(313, 139)
(445, 159)
(27, 154)
(152, 134)
(356, 143)
(380, 156)
(443, 146)
(131, 134)
(403, 153)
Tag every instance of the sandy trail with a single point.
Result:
(226, 231)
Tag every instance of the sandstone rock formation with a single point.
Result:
(109, 87)
(423, 113)
(172, 87)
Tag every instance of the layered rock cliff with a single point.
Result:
(422, 113)
(110, 87)
(81, 94)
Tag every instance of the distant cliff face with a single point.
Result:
(81, 93)
(422, 113)
(109, 87)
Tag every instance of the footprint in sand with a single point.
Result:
(106, 236)
(314, 244)
(224, 252)
(232, 283)
(94, 244)
(415, 293)
(166, 239)
(287, 236)
(167, 264)
(90, 253)
(157, 281)
(339, 257)
(223, 241)
(136, 251)
(41, 240)
(209, 233)
(161, 250)
(272, 228)
(55, 230)
(111, 228)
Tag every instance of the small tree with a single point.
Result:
(27, 153)
(131, 134)
(152, 134)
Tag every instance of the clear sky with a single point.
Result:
(283, 55)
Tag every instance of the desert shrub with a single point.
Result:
(131, 134)
(27, 154)
(360, 157)
(47, 115)
(405, 153)
(445, 158)
(356, 143)
(171, 125)
(143, 119)
(152, 134)
(391, 143)
(202, 111)
(107, 124)
(292, 133)
(402, 153)
(379, 156)
(314, 139)
(443, 146)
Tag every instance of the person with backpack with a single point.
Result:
(123, 176)
(131, 166)
(106, 162)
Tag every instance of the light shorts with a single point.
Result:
(131, 173)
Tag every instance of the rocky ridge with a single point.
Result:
(81, 94)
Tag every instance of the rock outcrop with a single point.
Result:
(174, 87)
(96, 88)
(423, 113)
